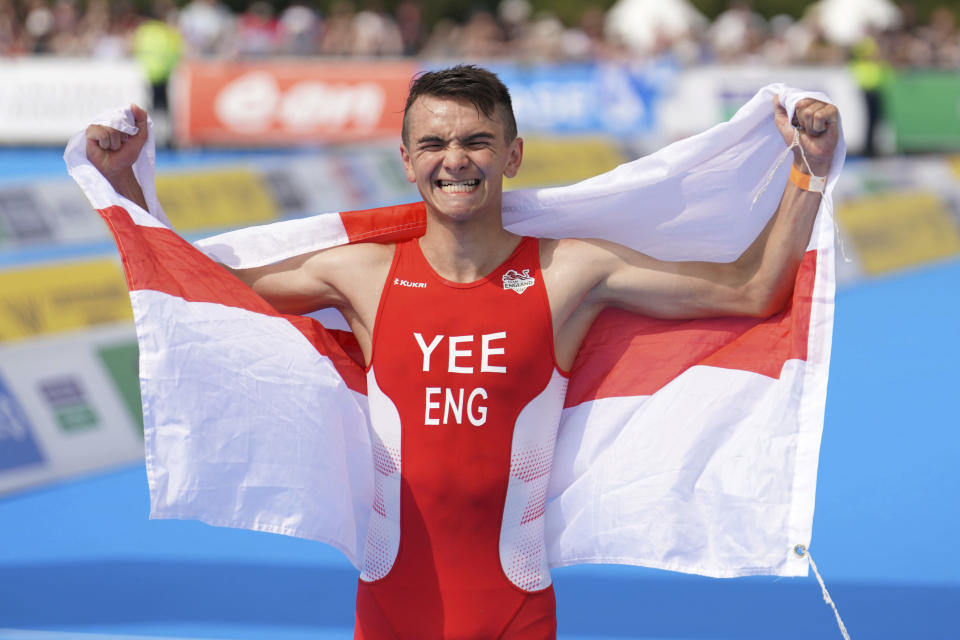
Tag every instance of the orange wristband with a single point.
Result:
(807, 182)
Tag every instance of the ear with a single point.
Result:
(407, 164)
(515, 157)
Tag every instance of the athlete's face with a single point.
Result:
(458, 157)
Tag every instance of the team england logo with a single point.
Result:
(517, 281)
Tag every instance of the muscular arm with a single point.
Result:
(759, 282)
(349, 278)
(318, 280)
(596, 273)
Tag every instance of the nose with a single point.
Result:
(455, 158)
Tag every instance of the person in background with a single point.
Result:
(871, 73)
(158, 47)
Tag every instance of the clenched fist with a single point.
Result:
(816, 124)
(111, 151)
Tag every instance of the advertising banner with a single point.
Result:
(18, 448)
(121, 361)
(558, 161)
(52, 212)
(584, 98)
(62, 408)
(899, 212)
(924, 109)
(214, 198)
(288, 102)
(363, 177)
(61, 297)
(705, 96)
(50, 219)
(898, 229)
(47, 100)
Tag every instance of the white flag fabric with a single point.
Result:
(684, 445)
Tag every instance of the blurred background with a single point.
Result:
(271, 110)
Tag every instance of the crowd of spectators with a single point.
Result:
(207, 28)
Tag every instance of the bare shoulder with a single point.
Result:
(360, 267)
(585, 271)
(585, 255)
(348, 276)
(572, 268)
(554, 252)
(350, 258)
(581, 247)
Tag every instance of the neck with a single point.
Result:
(466, 251)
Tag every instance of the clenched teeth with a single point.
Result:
(451, 186)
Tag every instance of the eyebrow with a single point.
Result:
(481, 135)
(473, 137)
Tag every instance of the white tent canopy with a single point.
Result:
(844, 22)
(639, 23)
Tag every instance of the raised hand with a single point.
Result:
(816, 122)
(113, 152)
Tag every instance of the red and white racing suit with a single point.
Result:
(465, 398)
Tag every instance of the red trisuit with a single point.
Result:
(465, 398)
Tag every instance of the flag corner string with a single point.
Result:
(802, 552)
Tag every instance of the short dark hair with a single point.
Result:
(481, 88)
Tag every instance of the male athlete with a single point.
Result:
(468, 333)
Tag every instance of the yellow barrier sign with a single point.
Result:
(61, 297)
(215, 198)
(561, 161)
(954, 162)
(894, 230)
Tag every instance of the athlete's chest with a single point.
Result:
(462, 348)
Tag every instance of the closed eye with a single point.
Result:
(431, 143)
(478, 141)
